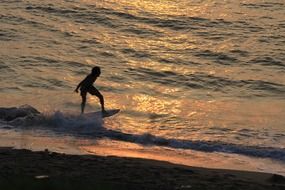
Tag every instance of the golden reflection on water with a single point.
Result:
(150, 104)
(161, 7)
(189, 114)
(205, 9)
(184, 157)
(202, 112)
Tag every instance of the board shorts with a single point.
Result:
(91, 90)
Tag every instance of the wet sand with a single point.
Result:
(25, 169)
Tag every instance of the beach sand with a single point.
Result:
(25, 169)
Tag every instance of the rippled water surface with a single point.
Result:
(191, 71)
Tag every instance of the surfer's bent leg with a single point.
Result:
(83, 96)
(96, 92)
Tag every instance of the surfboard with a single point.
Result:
(109, 113)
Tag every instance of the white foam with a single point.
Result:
(26, 117)
(9, 114)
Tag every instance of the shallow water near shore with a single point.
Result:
(193, 79)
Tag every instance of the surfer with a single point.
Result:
(86, 85)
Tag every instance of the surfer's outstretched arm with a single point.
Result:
(76, 90)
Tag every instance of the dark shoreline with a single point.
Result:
(25, 169)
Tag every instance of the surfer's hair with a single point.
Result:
(96, 71)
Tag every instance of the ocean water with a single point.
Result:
(197, 82)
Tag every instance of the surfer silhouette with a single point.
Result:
(86, 85)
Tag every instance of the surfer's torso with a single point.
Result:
(87, 83)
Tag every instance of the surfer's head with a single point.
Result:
(96, 71)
